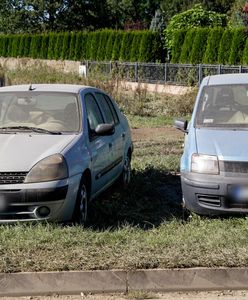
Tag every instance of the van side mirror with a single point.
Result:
(181, 125)
(105, 129)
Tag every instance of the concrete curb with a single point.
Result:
(197, 279)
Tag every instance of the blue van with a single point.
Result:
(214, 164)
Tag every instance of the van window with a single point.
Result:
(223, 106)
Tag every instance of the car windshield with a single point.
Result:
(47, 111)
(223, 106)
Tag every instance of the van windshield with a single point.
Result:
(51, 111)
(223, 106)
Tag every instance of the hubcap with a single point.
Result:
(126, 171)
(83, 204)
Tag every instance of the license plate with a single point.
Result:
(239, 193)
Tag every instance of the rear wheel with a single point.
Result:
(81, 206)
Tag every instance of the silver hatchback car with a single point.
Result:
(60, 146)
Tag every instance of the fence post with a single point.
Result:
(136, 72)
(240, 69)
(199, 74)
(219, 69)
(165, 72)
(110, 67)
(87, 68)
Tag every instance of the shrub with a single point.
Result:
(44, 46)
(72, 46)
(51, 45)
(177, 43)
(135, 46)
(225, 46)
(78, 46)
(213, 44)
(66, 46)
(94, 44)
(110, 44)
(21, 46)
(126, 46)
(199, 45)
(150, 47)
(15, 45)
(35, 46)
(187, 46)
(27, 44)
(58, 46)
(117, 45)
(237, 46)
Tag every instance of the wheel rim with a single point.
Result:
(126, 171)
(83, 205)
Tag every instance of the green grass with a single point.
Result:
(138, 228)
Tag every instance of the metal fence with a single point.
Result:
(180, 74)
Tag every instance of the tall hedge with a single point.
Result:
(237, 47)
(102, 45)
(109, 44)
(135, 46)
(44, 46)
(117, 45)
(187, 46)
(213, 44)
(125, 46)
(150, 47)
(51, 45)
(199, 46)
(177, 43)
(65, 51)
(225, 46)
(72, 46)
(35, 46)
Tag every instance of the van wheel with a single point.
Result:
(81, 207)
(126, 172)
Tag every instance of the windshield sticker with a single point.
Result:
(208, 121)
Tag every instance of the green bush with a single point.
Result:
(51, 45)
(72, 46)
(44, 46)
(101, 51)
(110, 44)
(199, 45)
(27, 44)
(117, 45)
(15, 45)
(66, 46)
(135, 46)
(177, 43)
(150, 47)
(237, 46)
(21, 46)
(225, 46)
(58, 46)
(187, 46)
(213, 44)
(126, 46)
(35, 46)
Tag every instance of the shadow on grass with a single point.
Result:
(152, 197)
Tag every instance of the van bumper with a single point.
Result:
(210, 194)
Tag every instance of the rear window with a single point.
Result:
(223, 106)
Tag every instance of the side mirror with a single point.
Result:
(105, 129)
(181, 125)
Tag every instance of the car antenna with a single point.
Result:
(31, 88)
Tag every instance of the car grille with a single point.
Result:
(210, 200)
(234, 166)
(12, 177)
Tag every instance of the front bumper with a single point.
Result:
(209, 194)
(25, 202)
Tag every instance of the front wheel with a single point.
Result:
(126, 172)
(81, 207)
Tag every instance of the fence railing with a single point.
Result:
(180, 74)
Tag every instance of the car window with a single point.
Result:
(105, 108)
(111, 105)
(94, 115)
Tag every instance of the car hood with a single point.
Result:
(226, 144)
(19, 152)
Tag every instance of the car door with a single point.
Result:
(99, 146)
(118, 138)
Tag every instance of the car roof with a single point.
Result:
(226, 79)
(64, 88)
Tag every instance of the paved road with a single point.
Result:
(226, 295)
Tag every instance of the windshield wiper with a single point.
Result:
(30, 128)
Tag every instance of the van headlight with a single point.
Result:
(206, 164)
(51, 168)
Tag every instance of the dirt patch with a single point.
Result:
(139, 134)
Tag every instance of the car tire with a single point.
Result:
(80, 215)
(126, 172)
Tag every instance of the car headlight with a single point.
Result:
(206, 164)
(51, 168)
